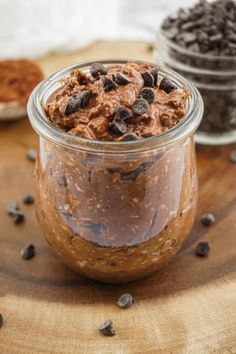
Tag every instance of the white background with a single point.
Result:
(30, 28)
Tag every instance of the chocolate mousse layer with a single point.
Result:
(117, 102)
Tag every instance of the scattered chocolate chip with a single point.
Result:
(118, 126)
(77, 101)
(125, 301)
(97, 69)
(147, 94)
(1, 320)
(108, 84)
(121, 79)
(167, 85)
(154, 73)
(148, 79)
(31, 154)
(62, 181)
(28, 252)
(12, 208)
(140, 106)
(107, 329)
(202, 249)
(123, 113)
(150, 47)
(232, 156)
(207, 219)
(129, 137)
(28, 199)
(19, 217)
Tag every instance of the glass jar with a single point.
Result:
(115, 211)
(215, 77)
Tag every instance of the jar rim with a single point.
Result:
(45, 128)
(193, 54)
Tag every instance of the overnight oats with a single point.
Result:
(199, 42)
(116, 183)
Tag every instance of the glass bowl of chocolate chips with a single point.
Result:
(200, 43)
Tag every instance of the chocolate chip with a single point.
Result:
(121, 79)
(12, 208)
(148, 79)
(188, 38)
(97, 69)
(123, 113)
(147, 94)
(28, 252)
(132, 175)
(62, 181)
(1, 320)
(167, 85)
(18, 217)
(31, 154)
(232, 156)
(207, 219)
(108, 84)
(129, 137)
(107, 329)
(202, 249)
(118, 126)
(28, 199)
(125, 301)
(140, 106)
(154, 73)
(78, 100)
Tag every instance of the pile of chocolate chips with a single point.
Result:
(140, 106)
(207, 27)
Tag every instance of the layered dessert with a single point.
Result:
(116, 215)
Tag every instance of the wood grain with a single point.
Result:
(187, 307)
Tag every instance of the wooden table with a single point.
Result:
(188, 307)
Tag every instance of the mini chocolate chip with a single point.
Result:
(207, 219)
(202, 249)
(118, 126)
(148, 79)
(1, 320)
(62, 181)
(167, 85)
(109, 84)
(140, 106)
(154, 73)
(147, 94)
(27, 252)
(121, 79)
(97, 69)
(28, 199)
(232, 156)
(107, 329)
(12, 208)
(18, 217)
(77, 101)
(125, 301)
(129, 137)
(85, 98)
(123, 113)
(31, 154)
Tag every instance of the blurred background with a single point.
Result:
(33, 28)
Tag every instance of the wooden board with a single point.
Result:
(187, 307)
